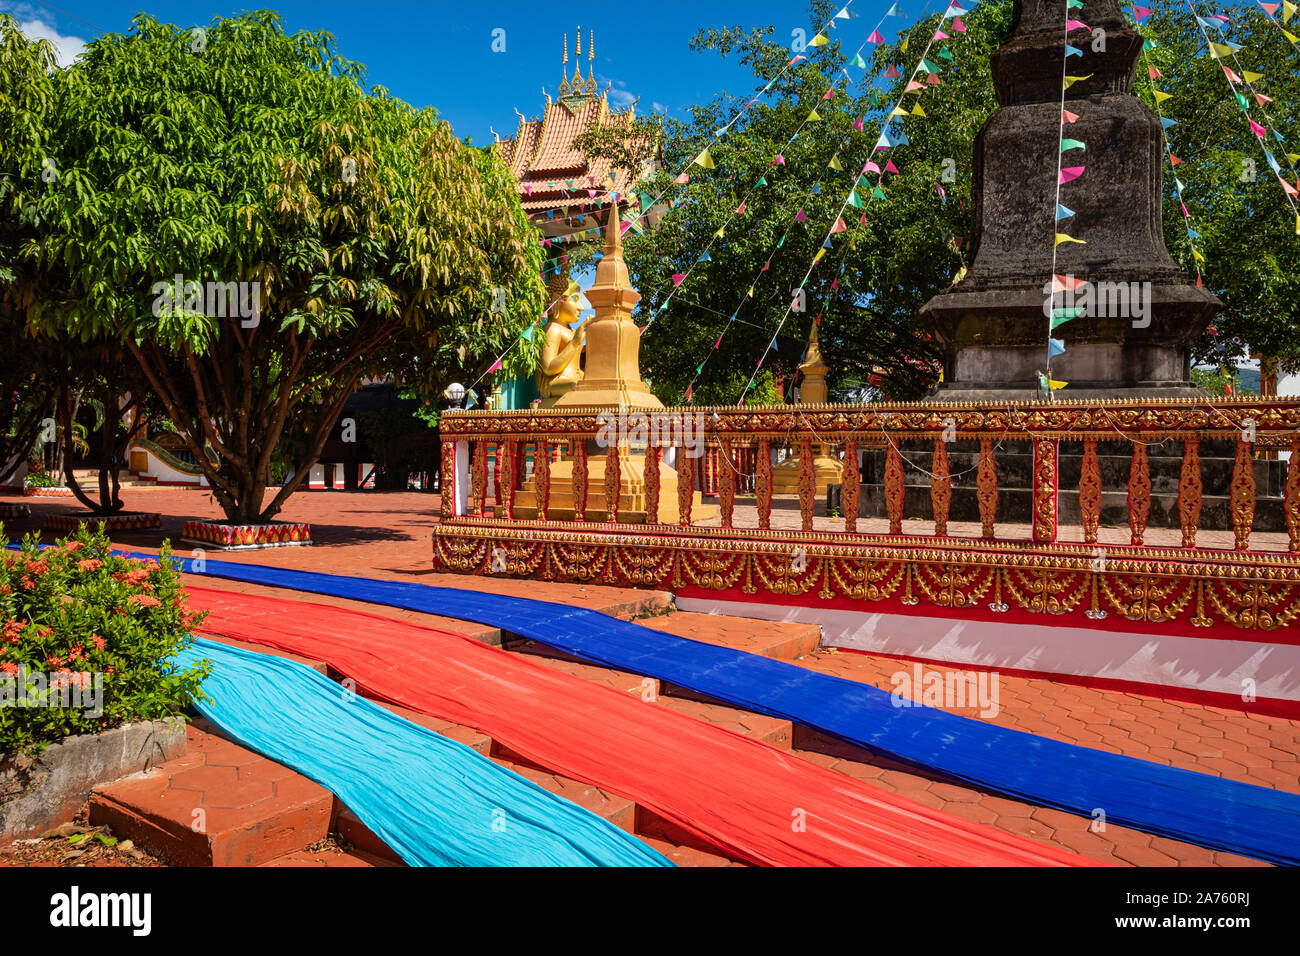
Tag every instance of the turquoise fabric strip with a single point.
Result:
(435, 802)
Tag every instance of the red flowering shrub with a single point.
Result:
(87, 641)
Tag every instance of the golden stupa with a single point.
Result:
(611, 379)
(827, 469)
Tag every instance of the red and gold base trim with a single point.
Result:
(53, 492)
(246, 536)
(1156, 590)
(133, 522)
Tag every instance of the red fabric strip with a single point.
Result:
(747, 798)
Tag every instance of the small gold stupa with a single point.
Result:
(611, 380)
(827, 469)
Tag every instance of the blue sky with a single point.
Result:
(441, 54)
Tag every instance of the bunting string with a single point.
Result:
(1158, 97)
(679, 279)
(1255, 128)
(885, 142)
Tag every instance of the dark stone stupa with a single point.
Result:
(992, 325)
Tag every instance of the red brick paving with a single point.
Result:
(218, 805)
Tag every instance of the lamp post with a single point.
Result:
(455, 394)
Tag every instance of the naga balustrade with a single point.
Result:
(728, 453)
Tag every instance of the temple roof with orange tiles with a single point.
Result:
(553, 175)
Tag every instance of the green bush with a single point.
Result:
(39, 479)
(76, 617)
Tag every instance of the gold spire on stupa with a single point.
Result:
(827, 469)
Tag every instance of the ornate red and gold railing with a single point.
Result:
(726, 514)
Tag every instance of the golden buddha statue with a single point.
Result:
(559, 368)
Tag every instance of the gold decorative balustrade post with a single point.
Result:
(852, 487)
(1046, 489)
(1139, 492)
(653, 454)
(447, 479)
(763, 483)
(807, 482)
(894, 487)
(1090, 492)
(542, 476)
(685, 484)
(726, 482)
(478, 479)
(940, 487)
(611, 482)
(986, 488)
(506, 478)
(1189, 492)
(1241, 494)
(580, 479)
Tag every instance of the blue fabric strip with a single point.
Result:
(1182, 804)
(434, 801)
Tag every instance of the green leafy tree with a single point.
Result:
(1246, 224)
(26, 97)
(366, 236)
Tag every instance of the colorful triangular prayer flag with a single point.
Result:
(1066, 283)
(1063, 212)
(1062, 237)
(705, 160)
(1069, 144)
(1070, 173)
(1049, 384)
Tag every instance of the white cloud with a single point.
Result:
(619, 96)
(35, 25)
(658, 107)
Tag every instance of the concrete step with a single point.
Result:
(219, 805)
